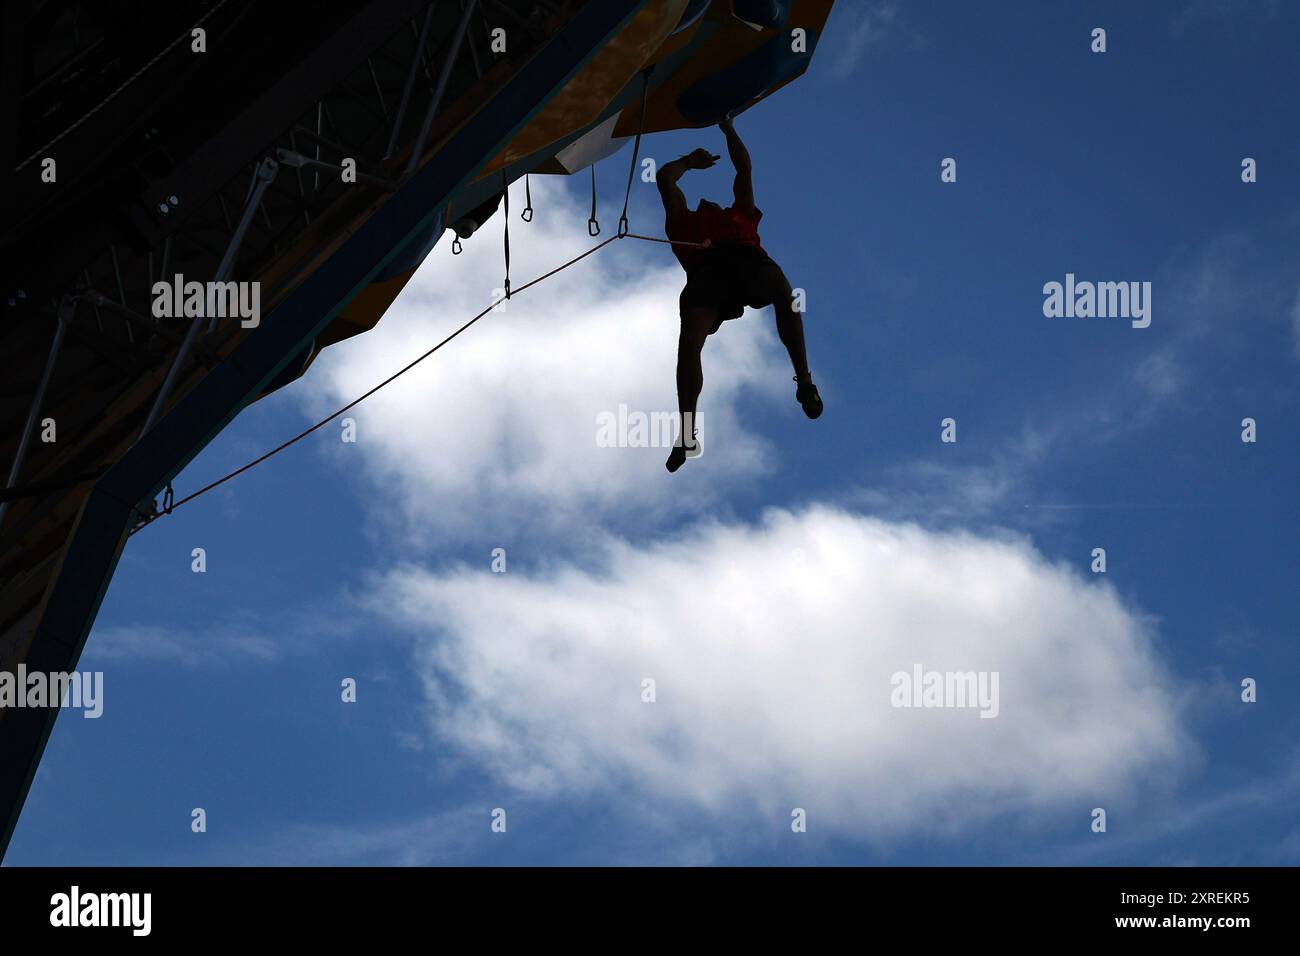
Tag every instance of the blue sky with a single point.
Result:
(773, 585)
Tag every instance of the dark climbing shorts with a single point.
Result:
(730, 277)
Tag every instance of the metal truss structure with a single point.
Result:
(216, 165)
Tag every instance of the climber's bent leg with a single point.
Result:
(789, 323)
(789, 326)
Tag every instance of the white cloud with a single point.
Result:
(773, 670)
(496, 433)
(773, 647)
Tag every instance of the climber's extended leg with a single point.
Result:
(697, 323)
(789, 326)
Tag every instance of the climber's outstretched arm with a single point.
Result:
(666, 179)
(744, 184)
(668, 174)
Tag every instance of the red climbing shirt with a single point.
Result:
(719, 225)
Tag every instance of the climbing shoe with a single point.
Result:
(807, 396)
(681, 452)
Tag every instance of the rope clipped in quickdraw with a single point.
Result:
(505, 218)
(527, 214)
(593, 227)
(636, 150)
(169, 504)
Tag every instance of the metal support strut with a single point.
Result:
(262, 180)
(288, 157)
(456, 43)
(410, 83)
(67, 308)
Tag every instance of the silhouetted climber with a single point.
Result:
(731, 273)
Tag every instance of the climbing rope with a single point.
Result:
(171, 505)
(672, 242)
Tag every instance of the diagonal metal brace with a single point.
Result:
(67, 308)
(457, 42)
(298, 161)
(262, 179)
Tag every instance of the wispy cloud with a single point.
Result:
(186, 647)
(1216, 300)
(236, 638)
(970, 494)
(863, 27)
(1273, 791)
(459, 836)
(1160, 375)
(436, 839)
